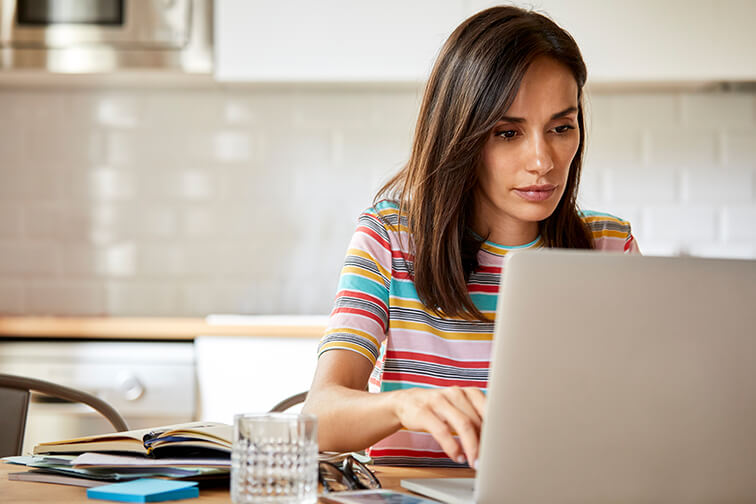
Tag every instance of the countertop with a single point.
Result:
(24, 492)
(160, 328)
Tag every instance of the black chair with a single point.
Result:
(14, 403)
(289, 402)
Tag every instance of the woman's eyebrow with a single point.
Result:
(567, 111)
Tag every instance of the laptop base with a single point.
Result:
(448, 490)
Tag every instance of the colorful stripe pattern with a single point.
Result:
(378, 314)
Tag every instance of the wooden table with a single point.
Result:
(149, 328)
(25, 492)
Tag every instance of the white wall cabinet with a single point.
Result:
(331, 40)
(659, 41)
(643, 41)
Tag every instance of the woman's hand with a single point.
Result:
(443, 412)
(350, 418)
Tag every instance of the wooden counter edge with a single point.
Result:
(26, 492)
(142, 328)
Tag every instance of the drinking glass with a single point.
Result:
(274, 459)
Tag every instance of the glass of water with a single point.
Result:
(274, 459)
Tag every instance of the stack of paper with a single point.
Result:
(108, 468)
(185, 451)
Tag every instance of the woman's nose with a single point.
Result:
(540, 157)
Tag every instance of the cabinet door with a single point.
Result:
(657, 41)
(250, 375)
(331, 40)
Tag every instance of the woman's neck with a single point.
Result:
(511, 236)
(503, 229)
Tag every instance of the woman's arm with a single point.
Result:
(350, 418)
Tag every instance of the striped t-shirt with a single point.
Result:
(377, 314)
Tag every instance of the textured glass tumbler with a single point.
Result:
(274, 459)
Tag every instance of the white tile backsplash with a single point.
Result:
(10, 220)
(12, 148)
(614, 146)
(29, 258)
(709, 109)
(142, 298)
(23, 181)
(679, 224)
(389, 150)
(160, 260)
(11, 296)
(740, 148)
(262, 109)
(644, 110)
(643, 186)
(739, 223)
(47, 220)
(717, 185)
(182, 110)
(349, 109)
(103, 183)
(116, 111)
(233, 146)
(592, 194)
(64, 297)
(116, 260)
(193, 201)
(200, 221)
(396, 110)
(191, 184)
(683, 147)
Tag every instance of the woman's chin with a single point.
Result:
(537, 212)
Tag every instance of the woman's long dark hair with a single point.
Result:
(473, 83)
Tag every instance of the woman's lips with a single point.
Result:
(535, 192)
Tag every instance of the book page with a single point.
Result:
(133, 440)
(211, 432)
(106, 460)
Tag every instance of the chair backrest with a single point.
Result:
(14, 398)
(289, 402)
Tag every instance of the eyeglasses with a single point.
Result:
(348, 474)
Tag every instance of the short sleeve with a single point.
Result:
(360, 316)
(631, 245)
(610, 233)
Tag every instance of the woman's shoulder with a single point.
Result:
(384, 220)
(609, 231)
(602, 220)
(384, 207)
(388, 213)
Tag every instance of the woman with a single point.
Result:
(495, 165)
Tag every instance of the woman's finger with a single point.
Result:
(477, 398)
(463, 425)
(460, 399)
(441, 432)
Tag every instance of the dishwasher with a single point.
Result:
(149, 383)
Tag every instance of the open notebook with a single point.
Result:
(185, 440)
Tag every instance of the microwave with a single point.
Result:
(95, 36)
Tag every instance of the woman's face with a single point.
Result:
(527, 156)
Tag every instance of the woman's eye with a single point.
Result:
(507, 133)
(563, 128)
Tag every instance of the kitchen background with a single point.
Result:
(238, 192)
(243, 200)
(232, 183)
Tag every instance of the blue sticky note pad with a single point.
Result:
(145, 490)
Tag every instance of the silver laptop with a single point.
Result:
(618, 379)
